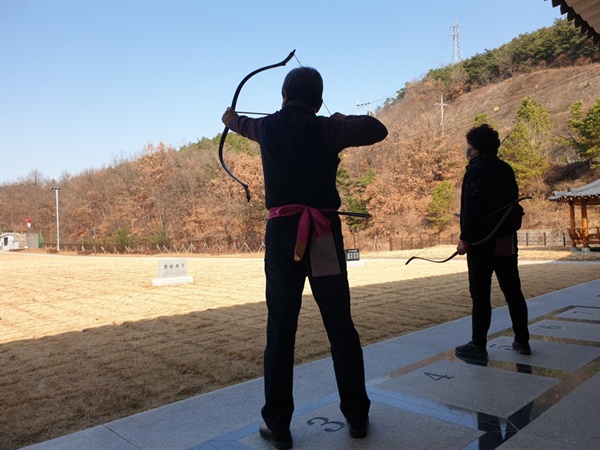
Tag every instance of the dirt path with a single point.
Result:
(86, 339)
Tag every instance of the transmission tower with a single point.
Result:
(456, 53)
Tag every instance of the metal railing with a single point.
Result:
(527, 238)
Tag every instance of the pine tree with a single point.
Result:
(525, 148)
(439, 210)
(586, 132)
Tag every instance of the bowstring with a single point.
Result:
(300, 64)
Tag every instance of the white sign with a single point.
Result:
(172, 271)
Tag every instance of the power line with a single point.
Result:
(367, 104)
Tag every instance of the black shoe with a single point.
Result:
(472, 350)
(358, 430)
(280, 439)
(523, 349)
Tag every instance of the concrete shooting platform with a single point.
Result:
(423, 396)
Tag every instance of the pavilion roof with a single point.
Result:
(585, 14)
(589, 192)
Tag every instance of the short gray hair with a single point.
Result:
(305, 84)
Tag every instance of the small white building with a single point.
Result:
(12, 241)
(19, 241)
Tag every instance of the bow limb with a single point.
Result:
(432, 260)
(509, 207)
(496, 228)
(233, 104)
(474, 244)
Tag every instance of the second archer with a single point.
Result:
(489, 219)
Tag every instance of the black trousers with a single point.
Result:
(285, 283)
(482, 262)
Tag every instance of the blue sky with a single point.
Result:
(84, 83)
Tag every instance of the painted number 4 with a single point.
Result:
(437, 377)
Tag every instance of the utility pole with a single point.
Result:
(442, 104)
(360, 105)
(56, 190)
(456, 52)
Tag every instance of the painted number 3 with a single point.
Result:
(325, 422)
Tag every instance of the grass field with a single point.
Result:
(88, 339)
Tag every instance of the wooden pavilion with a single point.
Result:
(584, 196)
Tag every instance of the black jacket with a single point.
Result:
(300, 152)
(488, 187)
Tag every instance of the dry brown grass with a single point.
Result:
(86, 340)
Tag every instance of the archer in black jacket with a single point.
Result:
(303, 239)
(489, 219)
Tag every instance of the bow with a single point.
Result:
(510, 207)
(233, 103)
(431, 260)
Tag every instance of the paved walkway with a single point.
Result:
(423, 397)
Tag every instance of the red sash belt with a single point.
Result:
(308, 215)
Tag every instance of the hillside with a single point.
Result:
(182, 197)
(556, 89)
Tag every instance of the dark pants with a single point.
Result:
(285, 283)
(482, 262)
